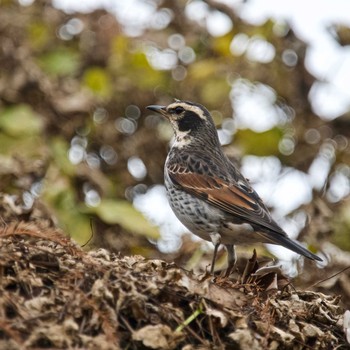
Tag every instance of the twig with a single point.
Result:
(328, 278)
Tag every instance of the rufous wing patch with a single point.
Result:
(217, 192)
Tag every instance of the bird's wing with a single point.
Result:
(236, 199)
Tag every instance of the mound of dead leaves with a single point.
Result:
(55, 295)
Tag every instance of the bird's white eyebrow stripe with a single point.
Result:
(189, 107)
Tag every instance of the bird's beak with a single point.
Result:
(159, 109)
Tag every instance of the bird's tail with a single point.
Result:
(277, 238)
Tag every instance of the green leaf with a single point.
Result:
(61, 196)
(341, 225)
(20, 120)
(119, 50)
(222, 44)
(260, 144)
(59, 150)
(60, 62)
(26, 146)
(144, 75)
(98, 81)
(38, 34)
(124, 214)
(203, 69)
(215, 91)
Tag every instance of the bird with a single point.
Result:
(207, 192)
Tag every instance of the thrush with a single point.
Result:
(207, 192)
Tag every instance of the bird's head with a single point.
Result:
(191, 122)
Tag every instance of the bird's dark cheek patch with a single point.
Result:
(190, 121)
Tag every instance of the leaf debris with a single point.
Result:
(55, 295)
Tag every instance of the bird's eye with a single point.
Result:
(178, 110)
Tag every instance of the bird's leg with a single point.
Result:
(216, 240)
(231, 259)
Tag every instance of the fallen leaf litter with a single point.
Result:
(53, 294)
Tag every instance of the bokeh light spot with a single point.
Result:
(137, 168)
(289, 57)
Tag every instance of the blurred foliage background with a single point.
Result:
(77, 144)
